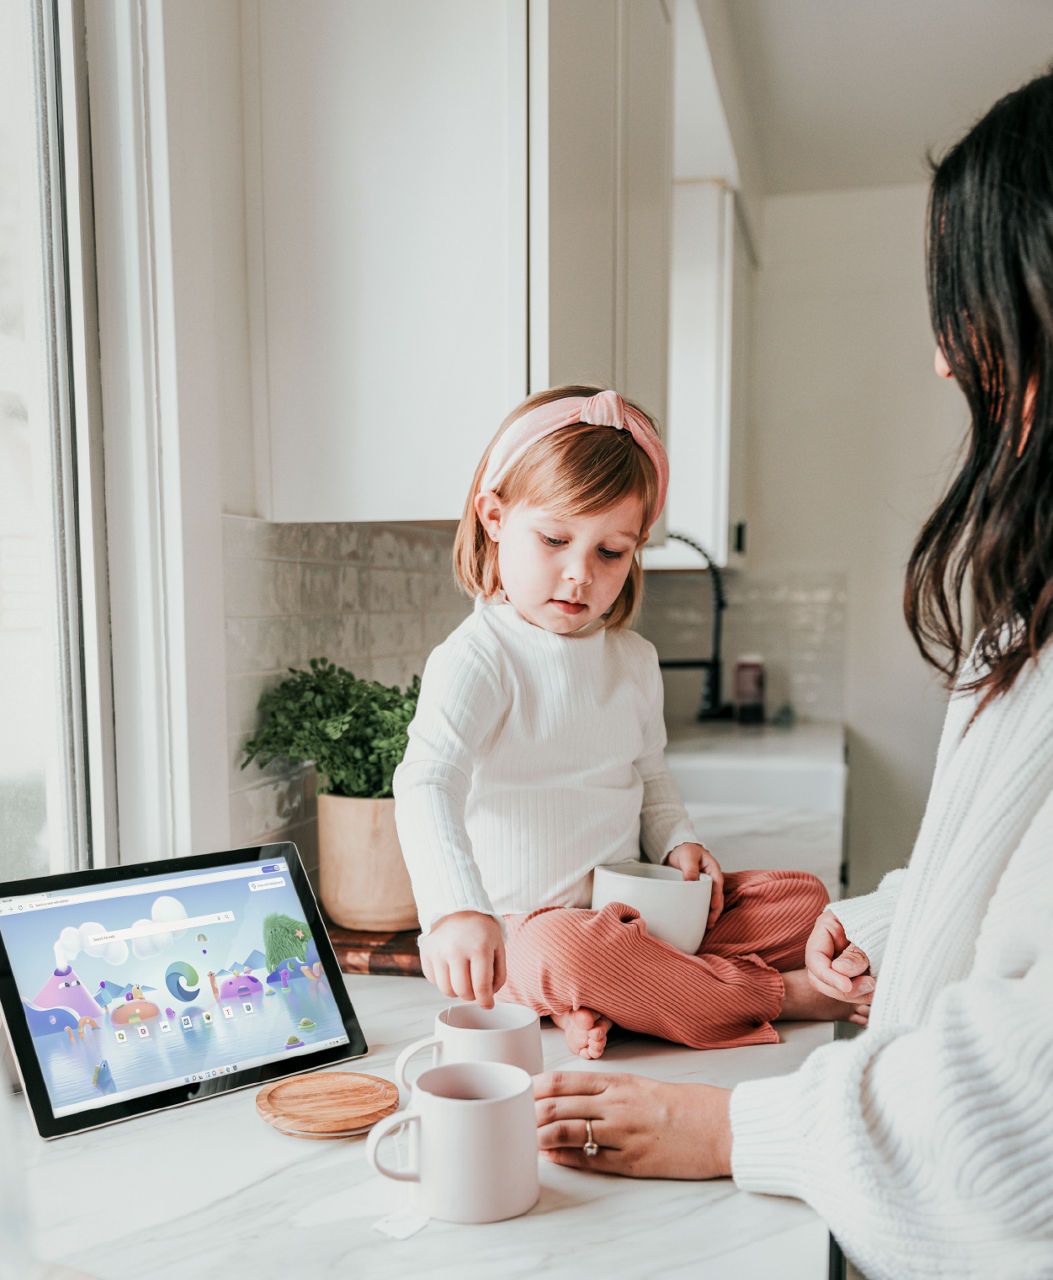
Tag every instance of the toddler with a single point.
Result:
(537, 754)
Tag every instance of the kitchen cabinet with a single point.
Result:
(447, 204)
(386, 166)
(711, 296)
(600, 195)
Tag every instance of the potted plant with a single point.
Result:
(354, 731)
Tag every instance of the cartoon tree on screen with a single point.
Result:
(283, 938)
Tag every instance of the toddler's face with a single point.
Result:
(562, 572)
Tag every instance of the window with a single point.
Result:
(45, 581)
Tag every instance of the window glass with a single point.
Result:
(38, 791)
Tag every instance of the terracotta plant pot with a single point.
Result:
(362, 879)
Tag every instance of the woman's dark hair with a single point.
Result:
(990, 281)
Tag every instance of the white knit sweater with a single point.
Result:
(532, 759)
(927, 1142)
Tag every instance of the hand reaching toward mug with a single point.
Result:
(464, 956)
(837, 967)
(694, 860)
(641, 1128)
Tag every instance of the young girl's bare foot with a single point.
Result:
(586, 1031)
(802, 1003)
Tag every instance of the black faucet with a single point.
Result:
(712, 706)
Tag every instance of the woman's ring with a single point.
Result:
(589, 1146)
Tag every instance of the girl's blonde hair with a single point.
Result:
(577, 470)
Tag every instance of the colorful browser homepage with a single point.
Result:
(134, 987)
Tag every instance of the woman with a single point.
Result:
(927, 1142)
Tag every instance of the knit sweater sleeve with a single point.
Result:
(929, 1149)
(929, 1154)
(459, 712)
(867, 919)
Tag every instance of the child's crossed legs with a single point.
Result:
(589, 969)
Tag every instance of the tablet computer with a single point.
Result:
(133, 988)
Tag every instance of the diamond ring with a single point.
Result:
(590, 1146)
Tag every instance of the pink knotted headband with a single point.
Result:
(605, 409)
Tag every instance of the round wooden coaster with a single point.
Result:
(333, 1104)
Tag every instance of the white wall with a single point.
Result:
(852, 436)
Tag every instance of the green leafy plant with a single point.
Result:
(353, 730)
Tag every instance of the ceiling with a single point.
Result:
(851, 93)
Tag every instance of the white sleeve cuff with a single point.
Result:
(866, 920)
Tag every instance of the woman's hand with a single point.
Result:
(643, 1128)
(837, 967)
(464, 956)
(692, 860)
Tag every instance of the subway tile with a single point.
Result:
(288, 541)
(438, 625)
(354, 641)
(322, 588)
(258, 813)
(396, 670)
(262, 588)
(262, 644)
(252, 775)
(390, 591)
(321, 542)
(322, 638)
(395, 633)
(386, 551)
(354, 585)
(356, 542)
(243, 696)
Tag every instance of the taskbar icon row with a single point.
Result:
(229, 1069)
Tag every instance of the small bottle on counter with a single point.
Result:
(749, 689)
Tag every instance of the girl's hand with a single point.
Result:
(643, 1128)
(464, 956)
(837, 967)
(694, 859)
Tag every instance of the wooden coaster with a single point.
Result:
(332, 1104)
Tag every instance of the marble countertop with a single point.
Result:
(210, 1190)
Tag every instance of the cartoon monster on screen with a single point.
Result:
(174, 985)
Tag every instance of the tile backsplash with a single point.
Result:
(796, 622)
(373, 598)
(377, 598)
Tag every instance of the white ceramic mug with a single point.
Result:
(674, 909)
(467, 1033)
(473, 1148)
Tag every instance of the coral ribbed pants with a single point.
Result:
(563, 958)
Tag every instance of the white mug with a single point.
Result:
(473, 1147)
(467, 1033)
(674, 909)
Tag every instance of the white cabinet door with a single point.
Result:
(600, 186)
(710, 306)
(386, 151)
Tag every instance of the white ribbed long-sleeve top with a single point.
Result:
(532, 759)
(927, 1142)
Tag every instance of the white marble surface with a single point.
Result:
(210, 1190)
(759, 796)
(747, 837)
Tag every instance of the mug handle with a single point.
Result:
(378, 1133)
(402, 1061)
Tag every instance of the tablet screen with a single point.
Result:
(136, 987)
